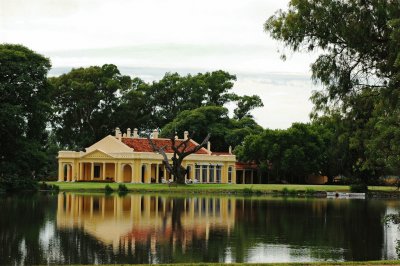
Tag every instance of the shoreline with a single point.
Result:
(315, 191)
(375, 262)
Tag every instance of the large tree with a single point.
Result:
(358, 67)
(290, 154)
(174, 93)
(182, 149)
(24, 112)
(85, 102)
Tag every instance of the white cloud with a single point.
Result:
(149, 36)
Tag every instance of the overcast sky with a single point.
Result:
(147, 38)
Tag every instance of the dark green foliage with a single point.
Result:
(108, 189)
(359, 68)
(85, 100)
(24, 111)
(287, 155)
(46, 187)
(214, 120)
(14, 183)
(122, 188)
(245, 104)
(359, 187)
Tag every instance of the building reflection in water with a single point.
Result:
(124, 222)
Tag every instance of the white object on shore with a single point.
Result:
(345, 195)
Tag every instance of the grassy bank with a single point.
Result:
(211, 188)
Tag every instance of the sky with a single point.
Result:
(147, 38)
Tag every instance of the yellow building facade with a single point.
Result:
(127, 158)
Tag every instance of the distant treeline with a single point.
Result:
(41, 115)
(354, 129)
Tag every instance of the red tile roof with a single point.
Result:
(143, 145)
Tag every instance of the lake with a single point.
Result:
(147, 228)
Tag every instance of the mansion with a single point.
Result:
(127, 158)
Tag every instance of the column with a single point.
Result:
(73, 172)
(68, 173)
(92, 171)
(148, 174)
(132, 181)
(165, 172)
(118, 179)
(157, 173)
(244, 177)
(82, 166)
(104, 171)
(233, 175)
(192, 169)
(115, 172)
(252, 176)
(60, 172)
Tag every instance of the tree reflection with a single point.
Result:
(90, 229)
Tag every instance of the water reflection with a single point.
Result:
(85, 229)
(149, 220)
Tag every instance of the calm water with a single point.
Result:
(75, 228)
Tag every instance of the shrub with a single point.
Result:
(285, 190)
(122, 188)
(108, 189)
(247, 191)
(47, 187)
(16, 183)
(310, 192)
(359, 188)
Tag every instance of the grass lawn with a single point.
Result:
(217, 188)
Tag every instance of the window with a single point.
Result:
(197, 173)
(211, 174)
(204, 173)
(218, 173)
(230, 174)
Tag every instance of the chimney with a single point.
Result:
(209, 147)
(128, 133)
(155, 134)
(116, 132)
(230, 149)
(135, 134)
(124, 135)
(185, 135)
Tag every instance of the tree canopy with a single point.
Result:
(24, 113)
(358, 68)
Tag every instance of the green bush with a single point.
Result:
(291, 192)
(47, 187)
(247, 191)
(17, 183)
(359, 188)
(122, 188)
(108, 189)
(310, 192)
